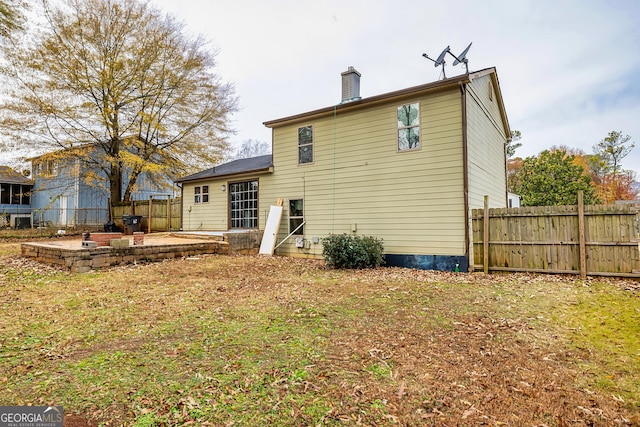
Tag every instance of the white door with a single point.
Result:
(62, 221)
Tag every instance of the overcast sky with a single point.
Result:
(569, 70)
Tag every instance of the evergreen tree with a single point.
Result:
(553, 178)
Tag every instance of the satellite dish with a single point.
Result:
(462, 57)
(440, 59)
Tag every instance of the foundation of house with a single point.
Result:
(84, 255)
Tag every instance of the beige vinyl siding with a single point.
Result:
(486, 140)
(413, 200)
(204, 216)
(214, 215)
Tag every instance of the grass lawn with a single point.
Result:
(224, 340)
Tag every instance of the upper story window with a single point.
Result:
(409, 127)
(46, 168)
(201, 194)
(305, 145)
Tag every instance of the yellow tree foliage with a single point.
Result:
(11, 16)
(121, 77)
(611, 182)
(514, 166)
(617, 187)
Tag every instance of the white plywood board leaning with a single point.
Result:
(271, 230)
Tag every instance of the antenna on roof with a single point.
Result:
(440, 60)
(462, 58)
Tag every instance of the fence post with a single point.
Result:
(583, 244)
(150, 214)
(169, 213)
(485, 239)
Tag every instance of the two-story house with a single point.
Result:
(406, 166)
(71, 190)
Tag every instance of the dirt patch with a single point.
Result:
(77, 420)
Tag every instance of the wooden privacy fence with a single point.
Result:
(586, 240)
(160, 216)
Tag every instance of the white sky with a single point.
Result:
(568, 69)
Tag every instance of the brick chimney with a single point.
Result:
(350, 85)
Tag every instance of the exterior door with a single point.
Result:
(62, 221)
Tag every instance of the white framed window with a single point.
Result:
(201, 194)
(46, 168)
(409, 127)
(296, 216)
(243, 199)
(305, 145)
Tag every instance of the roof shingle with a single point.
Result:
(10, 176)
(253, 164)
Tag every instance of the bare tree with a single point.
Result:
(252, 148)
(122, 78)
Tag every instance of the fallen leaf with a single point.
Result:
(466, 414)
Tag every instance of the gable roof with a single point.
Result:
(252, 164)
(10, 176)
(399, 94)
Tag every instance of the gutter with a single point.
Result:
(224, 175)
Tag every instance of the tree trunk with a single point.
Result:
(133, 177)
(115, 182)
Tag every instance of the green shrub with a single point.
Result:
(352, 251)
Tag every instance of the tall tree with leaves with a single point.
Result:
(513, 144)
(612, 149)
(124, 79)
(513, 164)
(553, 178)
(612, 181)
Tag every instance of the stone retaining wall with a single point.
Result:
(246, 242)
(84, 259)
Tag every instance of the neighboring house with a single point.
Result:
(513, 200)
(69, 191)
(406, 166)
(15, 198)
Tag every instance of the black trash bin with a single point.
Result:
(111, 227)
(131, 223)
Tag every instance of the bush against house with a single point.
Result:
(352, 251)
